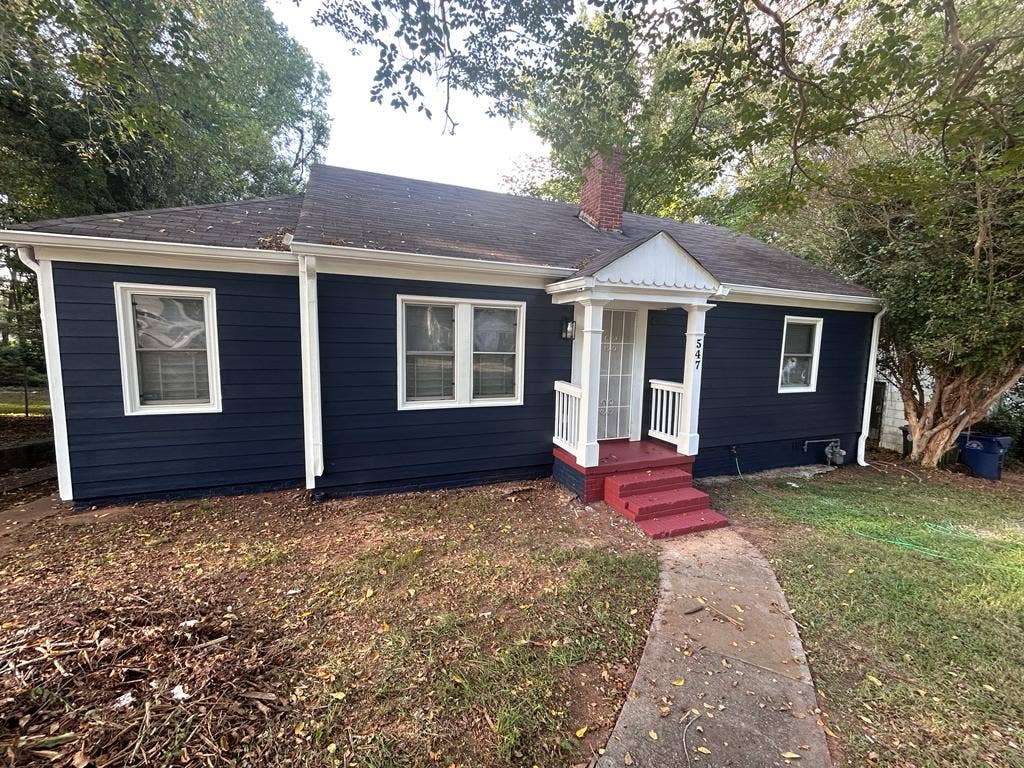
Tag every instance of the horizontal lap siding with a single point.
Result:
(255, 442)
(369, 445)
(740, 403)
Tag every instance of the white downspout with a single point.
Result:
(309, 323)
(54, 373)
(869, 389)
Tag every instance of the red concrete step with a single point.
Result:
(683, 523)
(644, 506)
(629, 483)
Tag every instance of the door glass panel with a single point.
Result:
(616, 384)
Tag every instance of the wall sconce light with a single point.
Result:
(568, 328)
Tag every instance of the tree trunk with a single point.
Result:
(955, 404)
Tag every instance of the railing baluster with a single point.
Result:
(567, 416)
(666, 401)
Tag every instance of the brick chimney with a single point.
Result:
(603, 196)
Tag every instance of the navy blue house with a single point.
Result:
(380, 334)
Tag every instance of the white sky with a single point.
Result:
(375, 137)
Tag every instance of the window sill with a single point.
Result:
(166, 410)
(428, 405)
(796, 390)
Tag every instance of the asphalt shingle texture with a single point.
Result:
(367, 210)
(245, 224)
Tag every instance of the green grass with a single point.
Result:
(910, 597)
(12, 400)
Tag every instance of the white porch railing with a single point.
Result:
(567, 416)
(666, 402)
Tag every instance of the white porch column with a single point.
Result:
(587, 451)
(693, 364)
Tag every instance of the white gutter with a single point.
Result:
(54, 374)
(869, 389)
(404, 258)
(754, 294)
(143, 247)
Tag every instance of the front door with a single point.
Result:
(614, 412)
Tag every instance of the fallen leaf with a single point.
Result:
(653, 735)
(680, 681)
(627, 759)
(791, 755)
(581, 732)
(704, 750)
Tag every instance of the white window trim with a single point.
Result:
(817, 322)
(463, 353)
(129, 360)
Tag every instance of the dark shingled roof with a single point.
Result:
(246, 224)
(375, 211)
(391, 213)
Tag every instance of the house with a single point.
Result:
(383, 334)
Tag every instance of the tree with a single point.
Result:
(893, 125)
(113, 105)
(109, 105)
(22, 363)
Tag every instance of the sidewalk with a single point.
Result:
(723, 680)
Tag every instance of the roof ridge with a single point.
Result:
(115, 214)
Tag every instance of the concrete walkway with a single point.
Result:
(723, 680)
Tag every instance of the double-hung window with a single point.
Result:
(168, 340)
(801, 347)
(459, 352)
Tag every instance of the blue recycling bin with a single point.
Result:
(984, 453)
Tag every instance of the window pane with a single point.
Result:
(799, 339)
(430, 377)
(796, 371)
(169, 322)
(494, 375)
(170, 344)
(173, 376)
(494, 330)
(429, 328)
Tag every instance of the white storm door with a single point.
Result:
(614, 401)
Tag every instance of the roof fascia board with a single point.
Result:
(344, 260)
(636, 295)
(105, 250)
(752, 294)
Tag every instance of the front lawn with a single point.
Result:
(12, 401)
(494, 626)
(909, 591)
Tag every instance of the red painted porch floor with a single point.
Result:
(649, 483)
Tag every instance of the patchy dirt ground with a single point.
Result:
(18, 429)
(491, 626)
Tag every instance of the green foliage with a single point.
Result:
(22, 362)
(110, 105)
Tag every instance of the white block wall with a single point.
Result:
(892, 419)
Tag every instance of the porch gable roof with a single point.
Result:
(655, 268)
